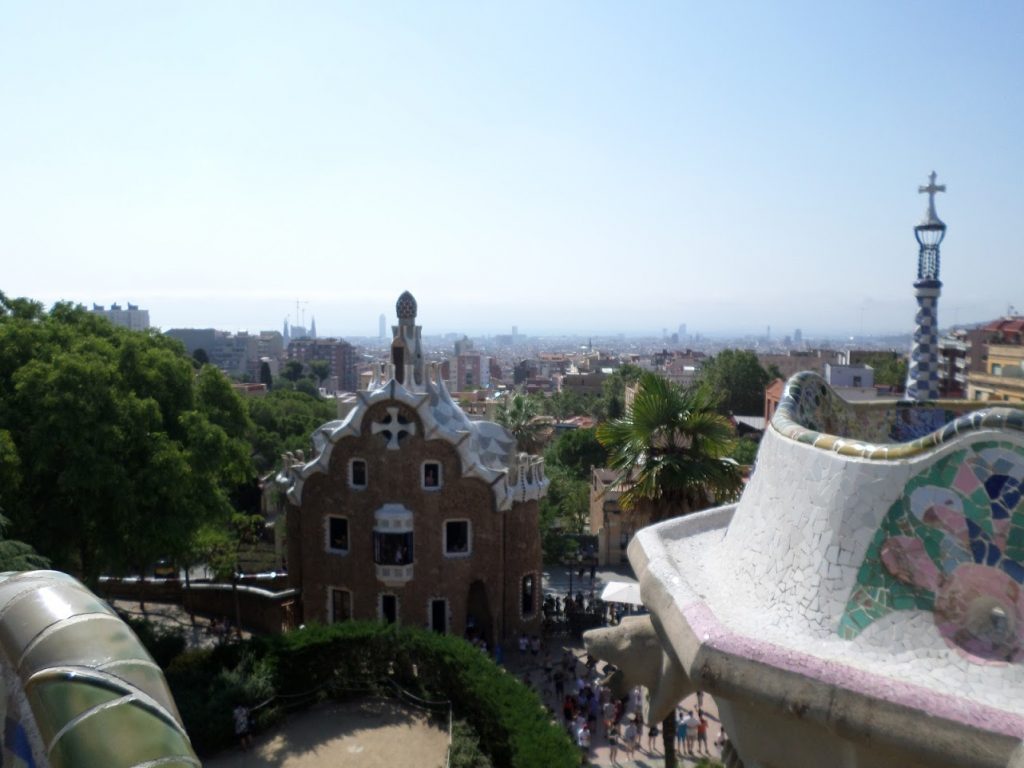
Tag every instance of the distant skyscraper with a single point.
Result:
(312, 327)
(923, 376)
(798, 336)
(682, 331)
(286, 335)
(132, 318)
(382, 327)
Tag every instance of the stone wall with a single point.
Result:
(269, 608)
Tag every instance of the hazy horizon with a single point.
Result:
(572, 168)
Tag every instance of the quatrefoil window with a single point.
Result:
(394, 427)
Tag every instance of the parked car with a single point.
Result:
(165, 569)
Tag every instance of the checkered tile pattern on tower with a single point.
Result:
(923, 376)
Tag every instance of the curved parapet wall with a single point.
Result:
(811, 412)
(867, 591)
(80, 690)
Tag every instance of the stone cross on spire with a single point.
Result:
(931, 189)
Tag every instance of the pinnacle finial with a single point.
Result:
(405, 308)
(931, 217)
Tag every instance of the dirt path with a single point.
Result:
(374, 733)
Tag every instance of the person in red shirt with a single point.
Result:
(702, 734)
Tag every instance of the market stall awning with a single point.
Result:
(622, 592)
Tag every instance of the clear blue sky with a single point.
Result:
(559, 166)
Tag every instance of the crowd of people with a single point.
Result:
(592, 714)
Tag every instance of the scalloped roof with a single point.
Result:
(487, 450)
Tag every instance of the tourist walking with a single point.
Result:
(652, 736)
(583, 740)
(613, 742)
(241, 717)
(629, 739)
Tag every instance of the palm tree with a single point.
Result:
(671, 453)
(519, 415)
(671, 450)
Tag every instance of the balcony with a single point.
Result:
(394, 575)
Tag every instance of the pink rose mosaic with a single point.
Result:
(953, 544)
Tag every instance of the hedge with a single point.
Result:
(513, 727)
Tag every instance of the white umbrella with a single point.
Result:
(622, 592)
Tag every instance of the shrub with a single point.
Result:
(466, 751)
(163, 643)
(508, 717)
(347, 659)
(208, 685)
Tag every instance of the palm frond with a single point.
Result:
(670, 449)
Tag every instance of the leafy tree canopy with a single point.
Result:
(889, 370)
(320, 369)
(671, 449)
(564, 509)
(518, 414)
(118, 449)
(284, 422)
(17, 555)
(737, 376)
(265, 376)
(576, 451)
(292, 370)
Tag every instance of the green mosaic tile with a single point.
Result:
(903, 602)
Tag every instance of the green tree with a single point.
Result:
(284, 421)
(222, 547)
(671, 449)
(518, 414)
(671, 455)
(200, 357)
(121, 453)
(564, 509)
(320, 369)
(890, 370)
(307, 386)
(266, 377)
(292, 370)
(17, 555)
(745, 451)
(565, 405)
(737, 376)
(577, 450)
(569, 498)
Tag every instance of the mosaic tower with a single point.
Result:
(406, 353)
(923, 376)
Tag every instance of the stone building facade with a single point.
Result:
(409, 512)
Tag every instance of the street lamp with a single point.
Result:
(572, 561)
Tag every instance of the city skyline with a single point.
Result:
(573, 169)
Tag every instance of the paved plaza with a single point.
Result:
(371, 733)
